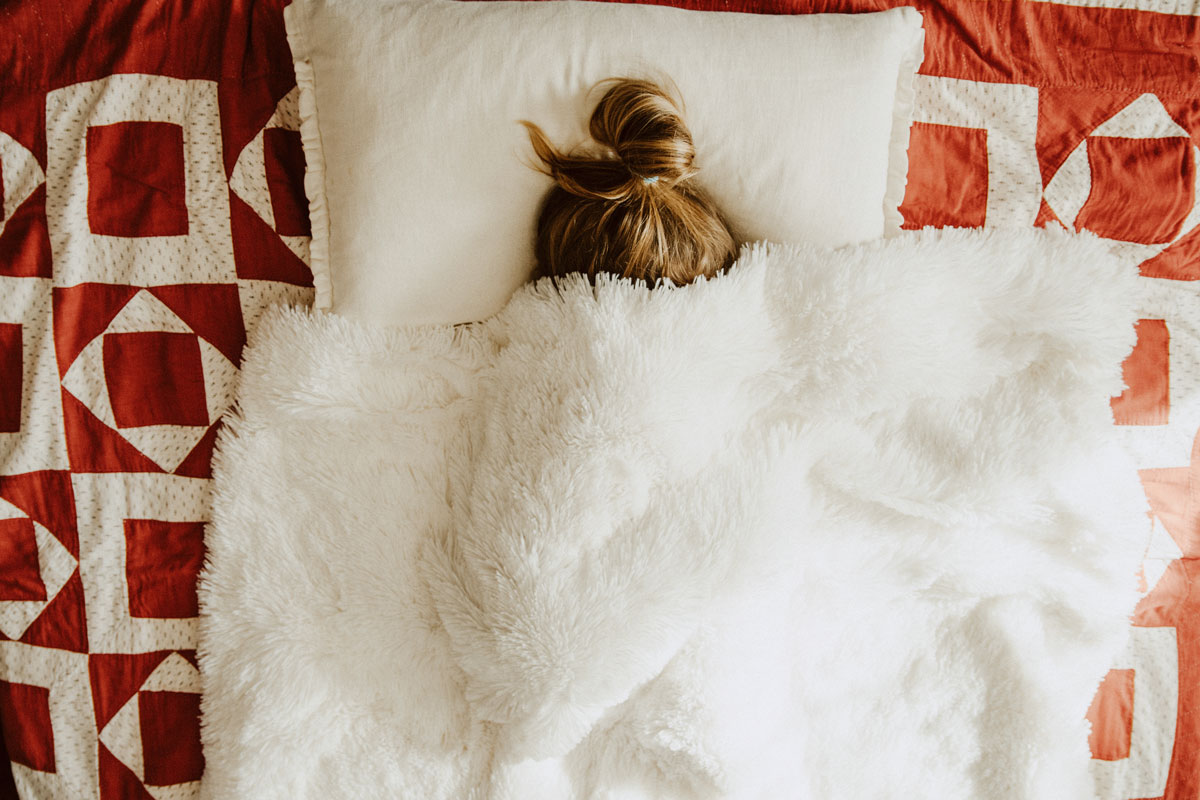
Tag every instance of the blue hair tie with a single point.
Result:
(652, 179)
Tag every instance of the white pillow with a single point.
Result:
(422, 198)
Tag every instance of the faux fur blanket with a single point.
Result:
(836, 524)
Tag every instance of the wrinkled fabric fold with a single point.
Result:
(703, 541)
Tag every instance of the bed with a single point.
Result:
(153, 208)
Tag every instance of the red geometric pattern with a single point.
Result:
(155, 378)
(8, 786)
(1179, 262)
(25, 240)
(1174, 602)
(1066, 115)
(136, 183)
(212, 311)
(244, 53)
(81, 313)
(12, 380)
(94, 447)
(117, 781)
(61, 624)
(952, 190)
(48, 499)
(1147, 373)
(172, 718)
(162, 562)
(115, 678)
(28, 733)
(1083, 64)
(165, 749)
(150, 377)
(1174, 495)
(22, 578)
(1142, 189)
(284, 155)
(1111, 716)
(257, 250)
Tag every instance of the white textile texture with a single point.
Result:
(847, 523)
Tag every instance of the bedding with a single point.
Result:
(800, 124)
(1025, 112)
(700, 541)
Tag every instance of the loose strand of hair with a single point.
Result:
(565, 168)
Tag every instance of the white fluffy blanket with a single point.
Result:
(837, 524)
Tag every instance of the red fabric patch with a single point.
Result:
(155, 378)
(61, 624)
(1174, 602)
(20, 571)
(1147, 373)
(117, 781)
(162, 562)
(948, 177)
(198, 463)
(28, 732)
(48, 498)
(258, 252)
(136, 179)
(212, 310)
(83, 40)
(81, 313)
(1111, 715)
(1179, 262)
(172, 721)
(1142, 189)
(1066, 116)
(1050, 44)
(8, 787)
(116, 677)
(23, 112)
(1174, 496)
(92, 446)
(248, 104)
(12, 377)
(25, 241)
(285, 172)
(1046, 216)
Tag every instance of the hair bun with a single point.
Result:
(642, 125)
(630, 210)
(639, 124)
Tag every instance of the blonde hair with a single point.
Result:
(632, 210)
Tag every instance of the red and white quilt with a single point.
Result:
(151, 207)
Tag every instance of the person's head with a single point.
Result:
(631, 209)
